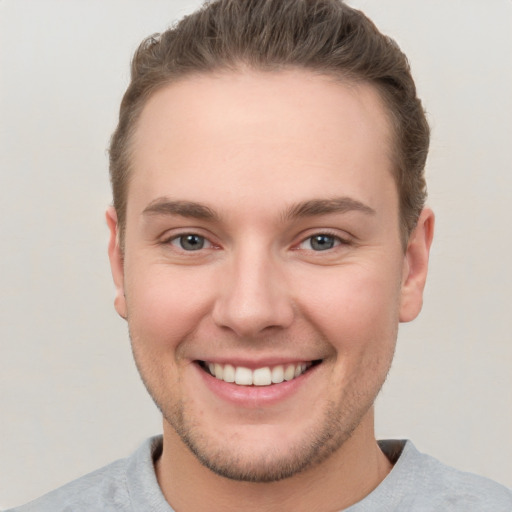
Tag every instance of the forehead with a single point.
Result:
(264, 137)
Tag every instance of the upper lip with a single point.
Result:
(258, 363)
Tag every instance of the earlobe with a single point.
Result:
(416, 266)
(115, 255)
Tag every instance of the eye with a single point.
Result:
(320, 242)
(190, 242)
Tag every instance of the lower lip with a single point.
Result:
(255, 396)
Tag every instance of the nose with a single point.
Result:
(253, 297)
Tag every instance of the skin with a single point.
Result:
(258, 163)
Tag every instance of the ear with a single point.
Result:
(416, 266)
(115, 255)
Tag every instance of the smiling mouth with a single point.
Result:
(264, 376)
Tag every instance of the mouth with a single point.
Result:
(263, 376)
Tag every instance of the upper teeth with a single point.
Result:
(260, 376)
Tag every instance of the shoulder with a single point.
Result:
(426, 484)
(95, 490)
(106, 489)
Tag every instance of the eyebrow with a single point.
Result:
(310, 208)
(166, 206)
(315, 207)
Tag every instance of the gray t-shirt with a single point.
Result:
(417, 483)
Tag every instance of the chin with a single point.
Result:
(264, 453)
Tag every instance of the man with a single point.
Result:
(268, 234)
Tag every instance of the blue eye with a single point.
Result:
(320, 242)
(190, 242)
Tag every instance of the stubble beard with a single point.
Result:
(334, 427)
(314, 447)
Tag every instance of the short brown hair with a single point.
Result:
(324, 36)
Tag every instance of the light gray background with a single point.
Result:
(70, 398)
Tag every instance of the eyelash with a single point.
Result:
(178, 240)
(337, 240)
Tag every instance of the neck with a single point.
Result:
(345, 478)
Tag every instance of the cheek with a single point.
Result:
(164, 306)
(355, 308)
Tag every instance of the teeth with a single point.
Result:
(264, 376)
(243, 376)
(289, 372)
(229, 374)
(219, 371)
(277, 374)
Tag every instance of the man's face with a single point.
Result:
(262, 243)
